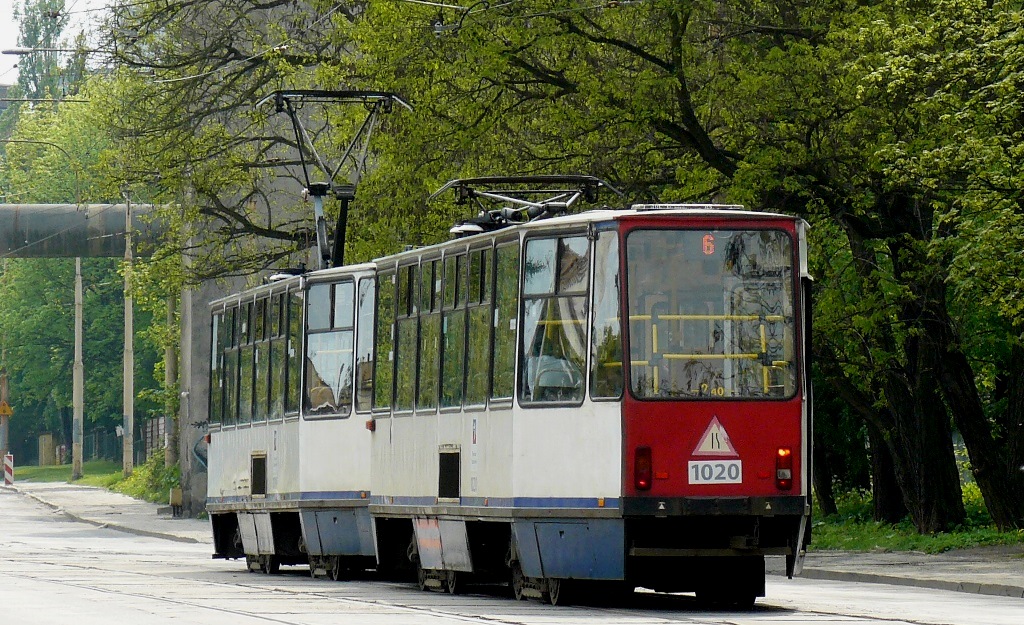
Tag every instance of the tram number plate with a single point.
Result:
(716, 471)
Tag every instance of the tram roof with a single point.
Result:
(281, 282)
(719, 211)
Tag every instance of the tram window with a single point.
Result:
(294, 352)
(383, 364)
(231, 386)
(460, 272)
(245, 383)
(258, 318)
(506, 304)
(364, 344)
(540, 267)
(430, 339)
(429, 283)
(318, 313)
(479, 276)
(229, 327)
(453, 357)
(344, 304)
(554, 320)
(217, 333)
(243, 323)
(711, 314)
(329, 351)
(453, 331)
(274, 316)
(408, 291)
(451, 282)
(478, 346)
(405, 364)
(278, 370)
(261, 387)
(606, 335)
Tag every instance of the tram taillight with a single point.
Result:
(784, 468)
(642, 468)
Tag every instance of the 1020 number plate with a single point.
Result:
(716, 471)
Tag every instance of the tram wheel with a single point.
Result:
(453, 583)
(252, 563)
(421, 577)
(270, 565)
(556, 594)
(518, 581)
(337, 571)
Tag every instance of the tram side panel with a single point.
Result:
(334, 487)
(253, 470)
(567, 480)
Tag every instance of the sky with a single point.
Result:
(82, 13)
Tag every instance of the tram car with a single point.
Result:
(289, 465)
(615, 398)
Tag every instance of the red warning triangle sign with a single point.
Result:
(715, 441)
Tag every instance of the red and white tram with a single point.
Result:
(611, 398)
(618, 395)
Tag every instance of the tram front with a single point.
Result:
(716, 413)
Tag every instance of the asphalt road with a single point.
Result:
(54, 570)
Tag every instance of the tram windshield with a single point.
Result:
(711, 314)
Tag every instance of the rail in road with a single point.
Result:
(54, 570)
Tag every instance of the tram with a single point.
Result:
(617, 396)
(556, 401)
(289, 466)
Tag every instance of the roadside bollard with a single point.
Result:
(9, 470)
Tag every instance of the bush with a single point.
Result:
(151, 481)
(855, 529)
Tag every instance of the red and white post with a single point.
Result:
(9, 470)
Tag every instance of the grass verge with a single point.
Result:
(854, 529)
(150, 481)
(102, 473)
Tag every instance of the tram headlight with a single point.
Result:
(643, 468)
(784, 468)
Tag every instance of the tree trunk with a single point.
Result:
(885, 490)
(921, 439)
(823, 481)
(995, 462)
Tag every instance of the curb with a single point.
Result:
(107, 524)
(997, 590)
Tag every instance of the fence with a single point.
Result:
(105, 444)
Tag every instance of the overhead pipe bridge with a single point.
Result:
(74, 230)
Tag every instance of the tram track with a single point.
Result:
(645, 608)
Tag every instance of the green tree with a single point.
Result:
(777, 105)
(893, 127)
(57, 158)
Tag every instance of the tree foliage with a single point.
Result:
(893, 127)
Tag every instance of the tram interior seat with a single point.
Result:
(554, 379)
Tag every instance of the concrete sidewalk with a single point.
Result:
(986, 570)
(105, 508)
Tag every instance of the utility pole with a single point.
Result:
(170, 382)
(128, 436)
(78, 382)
